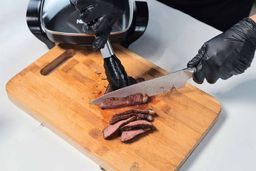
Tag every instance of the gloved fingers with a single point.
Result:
(99, 42)
(102, 30)
(85, 17)
(211, 76)
(102, 25)
(226, 76)
(198, 75)
(240, 65)
(197, 63)
(93, 11)
(193, 62)
(101, 39)
(212, 80)
(226, 72)
(196, 60)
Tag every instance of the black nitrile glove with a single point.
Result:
(116, 74)
(99, 17)
(227, 54)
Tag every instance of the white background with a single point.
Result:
(172, 38)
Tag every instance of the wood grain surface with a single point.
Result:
(61, 101)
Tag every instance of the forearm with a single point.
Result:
(253, 17)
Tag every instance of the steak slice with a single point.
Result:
(116, 102)
(133, 135)
(144, 111)
(138, 124)
(141, 114)
(113, 131)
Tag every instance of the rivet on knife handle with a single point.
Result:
(57, 62)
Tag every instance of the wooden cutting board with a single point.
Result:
(61, 99)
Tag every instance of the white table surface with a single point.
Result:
(172, 38)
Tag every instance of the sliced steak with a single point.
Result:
(144, 111)
(116, 102)
(113, 131)
(138, 124)
(133, 135)
(147, 117)
(141, 114)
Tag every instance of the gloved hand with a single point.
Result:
(99, 17)
(116, 74)
(227, 54)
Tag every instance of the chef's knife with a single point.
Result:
(152, 87)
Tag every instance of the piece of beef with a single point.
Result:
(138, 124)
(144, 111)
(139, 116)
(147, 117)
(113, 131)
(134, 135)
(116, 102)
(146, 114)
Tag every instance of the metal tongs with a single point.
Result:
(107, 51)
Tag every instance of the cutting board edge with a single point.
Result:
(200, 139)
(218, 103)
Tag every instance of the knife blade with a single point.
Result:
(152, 87)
